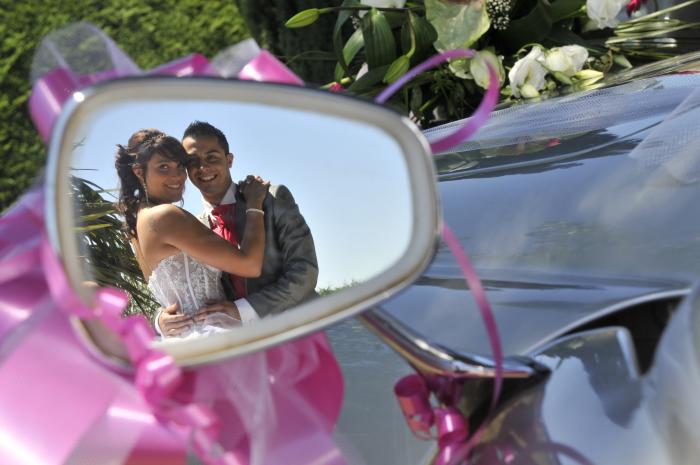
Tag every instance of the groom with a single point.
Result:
(289, 271)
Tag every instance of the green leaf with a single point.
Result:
(424, 33)
(622, 61)
(380, 45)
(565, 8)
(93, 227)
(531, 28)
(458, 25)
(352, 46)
(662, 12)
(343, 16)
(397, 69)
(303, 18)
(368, 80)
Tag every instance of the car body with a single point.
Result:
(581, 217)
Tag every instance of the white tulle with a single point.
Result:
(270, 416)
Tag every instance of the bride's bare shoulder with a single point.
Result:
(163, 218)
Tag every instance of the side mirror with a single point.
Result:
(360, 177)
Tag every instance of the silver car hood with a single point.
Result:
(569, 208)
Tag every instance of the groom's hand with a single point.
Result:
(218, 313)
(173, 322)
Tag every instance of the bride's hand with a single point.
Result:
(254, 190)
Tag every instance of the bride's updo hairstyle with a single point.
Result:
(142, 145)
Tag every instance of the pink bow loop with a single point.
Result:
(413, 396)
(451, 426)
(414, 399)
(157, 377)
(137, 335)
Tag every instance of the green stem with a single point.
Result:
(645, 35)
(363, 8)
(662, 12)
(411, 33)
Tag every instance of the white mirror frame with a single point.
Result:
(306, 317)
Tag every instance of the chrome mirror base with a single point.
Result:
(433, 359)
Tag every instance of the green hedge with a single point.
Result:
(151, 32)
(308, 51)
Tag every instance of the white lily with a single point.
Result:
(479, 70)
(527, 75)
(382, 4)
(604, 12)
(567, 60)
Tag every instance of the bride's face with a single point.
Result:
(165, 179)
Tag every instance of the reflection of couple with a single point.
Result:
(260, 240)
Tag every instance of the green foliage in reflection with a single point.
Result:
(310, 55)
(333, 289)
(105, 250)
(151, 32)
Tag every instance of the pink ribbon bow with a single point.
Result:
(414, 399)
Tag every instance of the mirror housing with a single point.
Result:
(310, 315)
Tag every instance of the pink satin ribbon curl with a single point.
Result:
(412, 392)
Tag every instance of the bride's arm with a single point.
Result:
(178, 228)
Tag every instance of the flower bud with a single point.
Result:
(587, 74)
(303, 18)
(529, 91)
(397, 69)
(480, 71)
(622, 61)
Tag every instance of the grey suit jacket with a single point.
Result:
(290, 270)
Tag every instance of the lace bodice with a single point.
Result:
(182, 279)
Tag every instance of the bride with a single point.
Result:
(181, 259)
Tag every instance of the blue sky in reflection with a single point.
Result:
(348, 178)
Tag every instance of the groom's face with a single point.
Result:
(208, 167)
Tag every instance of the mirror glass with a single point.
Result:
(348, 179)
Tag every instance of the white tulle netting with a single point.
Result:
(575, 114)
(82, 49)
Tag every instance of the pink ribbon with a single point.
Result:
(477, 119)
(412, 392)
(414, 400)
(51, 91)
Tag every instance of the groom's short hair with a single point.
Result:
(204, 129)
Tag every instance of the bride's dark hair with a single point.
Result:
(142, 145)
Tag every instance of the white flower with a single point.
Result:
(604, 12)
(384, 3)
(567, 60)
(527, 75)
(381, 4)
(479, 70)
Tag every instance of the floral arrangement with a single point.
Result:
(539, 48)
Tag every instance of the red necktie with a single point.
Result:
(224, 226)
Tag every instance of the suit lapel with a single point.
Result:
(240, 215)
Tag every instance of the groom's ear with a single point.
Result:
(229, 158)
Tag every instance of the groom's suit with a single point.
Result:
(290, 270)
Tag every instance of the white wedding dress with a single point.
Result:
(190, 283)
